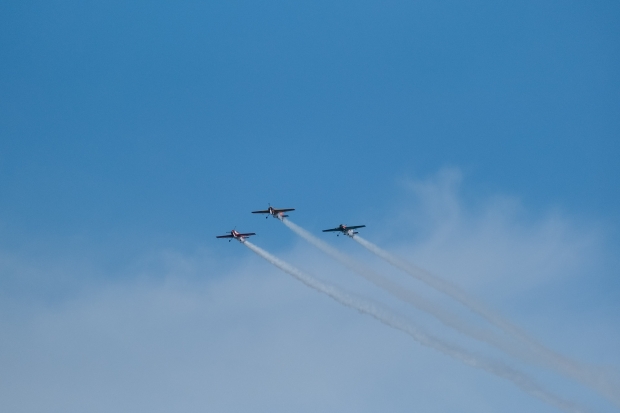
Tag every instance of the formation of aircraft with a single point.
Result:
(274, 212)
(279, 213)
(236, 235)
(348, 231)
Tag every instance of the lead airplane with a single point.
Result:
(348, 231)
(236, 235)
(274, 212)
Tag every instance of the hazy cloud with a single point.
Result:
(176, 330)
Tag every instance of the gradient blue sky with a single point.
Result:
(131, 128)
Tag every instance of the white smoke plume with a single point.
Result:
(409, 296)
(588, 376)
(388, 318)
(526, 348)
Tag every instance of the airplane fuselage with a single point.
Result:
(236, 235)
(276, 214)
(349, 232)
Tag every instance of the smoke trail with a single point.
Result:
(593, 379)
(404, 294)
(386, 317)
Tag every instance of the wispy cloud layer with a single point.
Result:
(181, 330)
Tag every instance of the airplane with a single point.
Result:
(276, 213)
(348, 231)
(236, 235)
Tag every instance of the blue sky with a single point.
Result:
(132, 132)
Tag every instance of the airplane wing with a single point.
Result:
(356, 226)
(248, 234)
(333, 229)
(224, 236)
(261, 212)
(283, 210)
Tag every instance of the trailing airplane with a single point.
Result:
(276, 213)
(236, 235)
(348, 231)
